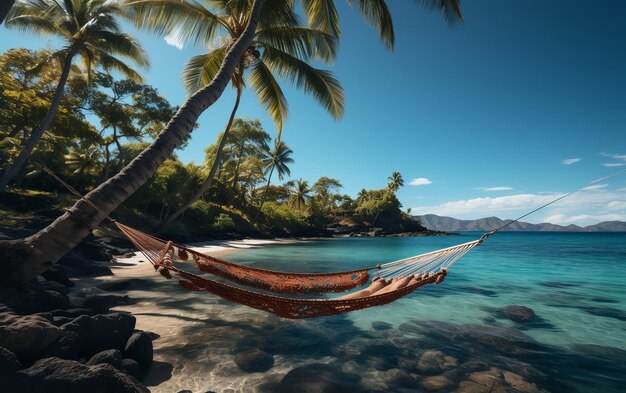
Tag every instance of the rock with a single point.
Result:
(139, 348)
(66, 347)
(28, 335)
(58, 321)
(31, 300)
(518, 314)
(489, 379)
(122, 285)
(436, 382)
(254, 361)
(80, 265)
(100, 332)
(58, 276)
(434, 362)
(520, 384)
(110, 356)
(396, 378)
(319, 378)
(8, 361)
(72, 312)
(69, 376)
(380, 325)
(131, 367)
(472, 387)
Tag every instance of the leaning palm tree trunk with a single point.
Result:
(23, 259)
(38, 132)
(216, 165)
(5, 6)
(267, 187)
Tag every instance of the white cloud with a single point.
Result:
(173, 40)
(614, 164)
(420, 181)
(495, 188)
(621, 157)
(570, 161)
(583, 208)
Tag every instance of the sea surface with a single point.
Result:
(453, 337)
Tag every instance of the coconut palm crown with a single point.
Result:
(282, 48)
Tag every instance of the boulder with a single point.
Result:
(380, 325)
(131, 367)
(139, 348)
(72, 312)
(100, 304)
(8, 361)
(31, 300)
(520, 314)
(319, 378)
(436, 382)
(27, 335)
(110, 356)
(69, 376)
(254, 361)
(100, 332)
(80, 265)
(66, 347)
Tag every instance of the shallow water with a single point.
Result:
(444, 338)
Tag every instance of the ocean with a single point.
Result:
(455, 337)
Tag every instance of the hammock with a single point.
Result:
(393, 280)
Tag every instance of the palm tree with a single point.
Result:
(301, 193)
(282, 48)
(90, 30)
(275, 159)
(395, 182)
(23, 259)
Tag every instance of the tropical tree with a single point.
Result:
(90, 31)
(301, 193)
(25, 258)
(275, 159)
(395, 182)
(281, 49)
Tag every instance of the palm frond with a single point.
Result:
(302, 42)
(31, 24)
(322, 84)
(322, 15)
(270, 94)
(200, 70)
(182, 21)
(111, 63)
(451, 9)
(378, 17)
(120, 44)
(277, 13)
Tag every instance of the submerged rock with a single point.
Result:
(434, 362)
(319, 378)
(380, 325)
(437, 382)
(254, 361)
(520, 314)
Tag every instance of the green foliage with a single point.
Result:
(223, 223)
(282, 219)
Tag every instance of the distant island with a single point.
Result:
(442, 223)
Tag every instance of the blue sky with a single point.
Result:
(524, 101)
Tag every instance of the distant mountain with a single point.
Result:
(441, 223)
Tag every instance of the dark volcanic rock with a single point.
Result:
(30, 300)
(80, 265)
(254, 361)
(8, 361)
(100, 332)
(27, 335)
(122, 285)
(57, 276)
(520, 314)
(319, 378)
(99, 303)
(72, 312)
(131, 367)
(66, 347)
(110, 356)
(68, 376)
(139, 348)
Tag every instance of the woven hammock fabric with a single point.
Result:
(270, 280)
(304, 308)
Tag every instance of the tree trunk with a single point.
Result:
(216, 164)
(23, 259)
(267, 187)
(5, 6)
(38, 132)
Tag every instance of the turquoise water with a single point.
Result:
(574, 282)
